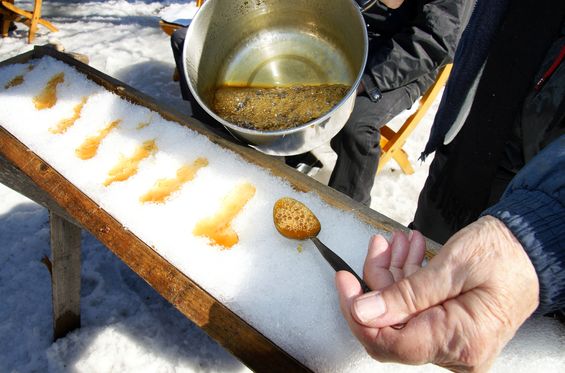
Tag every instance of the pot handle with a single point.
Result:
(364, 5)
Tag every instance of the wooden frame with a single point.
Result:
(25, 172)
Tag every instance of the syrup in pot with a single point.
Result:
(276, 108)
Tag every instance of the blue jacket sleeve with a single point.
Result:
(533, 208)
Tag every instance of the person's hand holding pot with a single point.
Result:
(458, 311)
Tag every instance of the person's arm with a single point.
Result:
(463, 307)
(458, 312)
(533, 208)
(419, 49)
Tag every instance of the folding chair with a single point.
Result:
(12, 13)
(392, 141)
(170, 26)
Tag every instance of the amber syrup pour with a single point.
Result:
(89, 147)
(47, 98)
(128, 167)
(65, 124)
(142, 125)
(17, 80)
(163, 188)
(218, 227)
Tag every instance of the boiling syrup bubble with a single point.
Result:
(294, 220)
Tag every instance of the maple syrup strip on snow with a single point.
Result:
(163, 188)
(47, 98)
(128, 167)
(18, 79)
(142, 125)
(89, 147)
(65, 124)
(218, 227)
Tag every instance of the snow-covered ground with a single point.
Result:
(126, 325)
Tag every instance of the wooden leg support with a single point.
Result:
(401, 157)
(65, 276)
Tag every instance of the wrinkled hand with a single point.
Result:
(459, 311)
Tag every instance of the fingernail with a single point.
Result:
(369, 307)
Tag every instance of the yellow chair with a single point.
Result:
(392, 141)
(169, 28)
(32, 19)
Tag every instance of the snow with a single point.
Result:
(126, 325)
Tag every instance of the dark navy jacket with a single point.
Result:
(533, 208)
(533, 205)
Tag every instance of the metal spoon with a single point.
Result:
(294, 220)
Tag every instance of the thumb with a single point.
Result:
(404, 299)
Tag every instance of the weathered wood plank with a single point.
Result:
(15, 179)
(20, 58)
(65, 275)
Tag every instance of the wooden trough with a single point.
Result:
(71, 210)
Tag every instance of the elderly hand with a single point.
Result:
(459, 311)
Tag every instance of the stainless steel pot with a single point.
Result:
(274, 43)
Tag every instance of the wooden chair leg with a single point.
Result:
(393, 141)
(401, 157)
(65, 275)
(7, 19)
(5, 27)
(36, 15)
(30, 19)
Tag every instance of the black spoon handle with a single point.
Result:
(337, 263)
